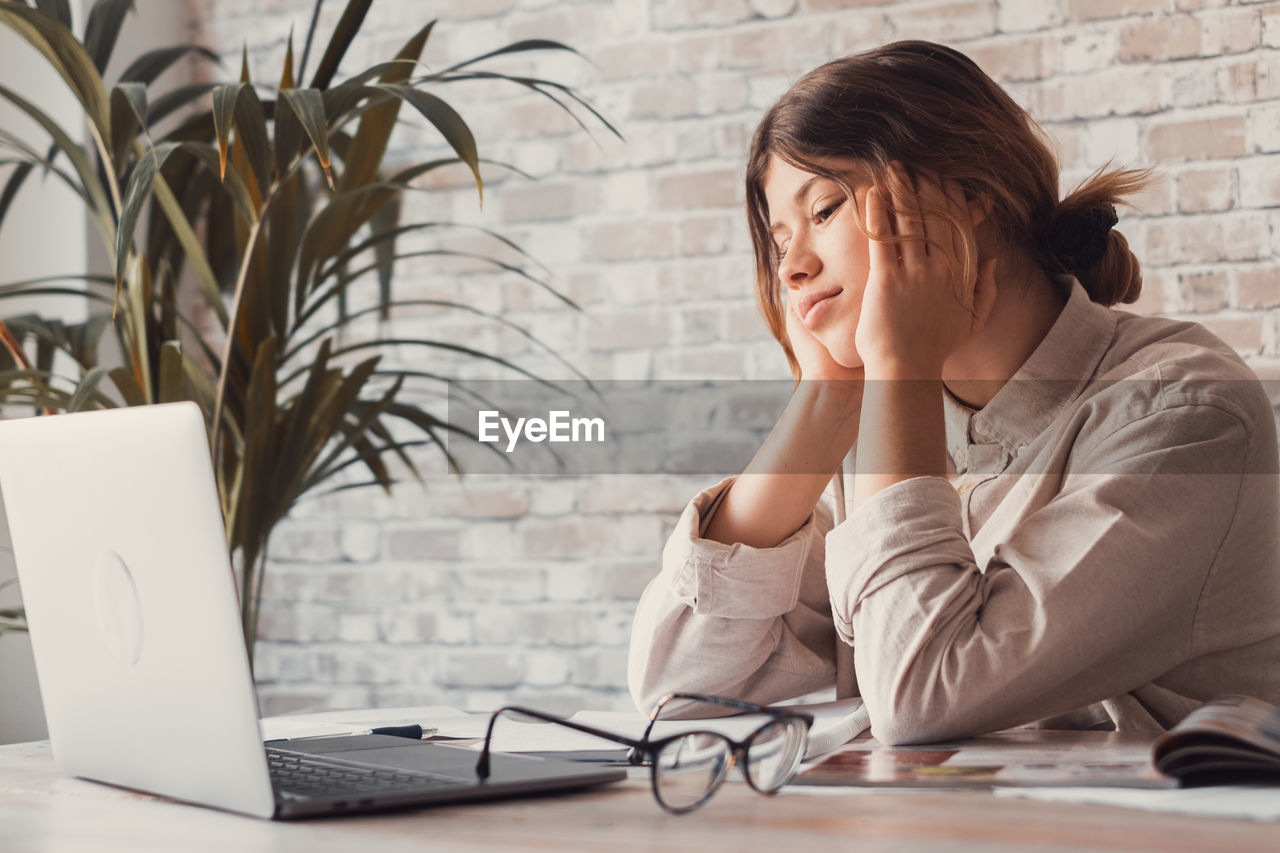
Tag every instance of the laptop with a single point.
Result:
(121, 555)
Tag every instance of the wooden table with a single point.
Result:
(42, 811)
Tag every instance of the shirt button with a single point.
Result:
(979, 429)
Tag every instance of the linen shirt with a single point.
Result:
(1105, 555)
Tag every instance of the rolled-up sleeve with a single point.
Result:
(1092, 595)
(732, 619)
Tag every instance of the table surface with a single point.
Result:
(43, 811)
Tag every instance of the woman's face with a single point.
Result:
(825, 256)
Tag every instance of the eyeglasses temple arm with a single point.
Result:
(714, 700)
(482, 766)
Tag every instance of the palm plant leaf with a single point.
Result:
(308, 106)
(343, 34)
(370, 141)
(68, 57)
(170, 102)
(90, 187)
(311, 34)
(16, 179)
(146, 68)
(58, 9)
(87, 388)
(102, 29)
(515, 47)
(446, 120)
(128, 114)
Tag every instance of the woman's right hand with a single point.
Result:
(815, 360)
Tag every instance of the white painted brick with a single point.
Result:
(358, 627)
(1116, 140)
(360, 541)
(482, 667)
(546, 668)
(1012, 17)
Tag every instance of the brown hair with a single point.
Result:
(931, 108)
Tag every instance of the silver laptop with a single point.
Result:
(122, 561)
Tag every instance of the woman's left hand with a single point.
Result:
(916, 310)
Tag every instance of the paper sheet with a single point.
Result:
(1258, 802)
(448, 722)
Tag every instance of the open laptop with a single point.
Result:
(122, 559)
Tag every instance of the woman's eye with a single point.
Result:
(827, 212)
(782, 253)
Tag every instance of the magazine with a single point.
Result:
(1231, 740)
(1013, 758)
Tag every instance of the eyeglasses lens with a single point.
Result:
(687, 769)
(775, 753)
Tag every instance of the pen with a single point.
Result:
(412, 732)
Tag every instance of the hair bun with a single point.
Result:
(1078, 237)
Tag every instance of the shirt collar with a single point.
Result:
(1054, 375)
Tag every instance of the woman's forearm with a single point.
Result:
(903, 434)
(776, 493)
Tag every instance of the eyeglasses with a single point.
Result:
(688, 767)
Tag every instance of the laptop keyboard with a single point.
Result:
(295, 776)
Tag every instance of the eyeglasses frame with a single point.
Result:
(649, 749)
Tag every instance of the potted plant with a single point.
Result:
(277, 203)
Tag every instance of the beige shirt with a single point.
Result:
(1106, 555)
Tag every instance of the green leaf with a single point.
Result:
(127, 385)
(191, 245)
(384, 221)
(343, 34)
(447, 121)
(171, 373)
(329, 329)
(308, 106)
(136, 195)
(92, 189)
(541, 87)
(516, 47)
(224, 106)
(175, 99)
(16, 179)
(36, 158)
(128, 114)
(311, 34)
(370, 142)
(251, 129)
(67, 56)
(102, 30)
(332, 228)
(59, 9)
(153, 63)
(85, 390)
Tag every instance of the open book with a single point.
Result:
(1231, 740)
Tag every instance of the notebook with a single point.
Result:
(122, 560)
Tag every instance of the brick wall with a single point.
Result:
(494, 590)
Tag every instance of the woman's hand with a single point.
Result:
(916, 310)
(814, 358)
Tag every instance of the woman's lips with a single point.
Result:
(813, 305)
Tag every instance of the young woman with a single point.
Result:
(1062, 514)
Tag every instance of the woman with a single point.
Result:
(1063, 515)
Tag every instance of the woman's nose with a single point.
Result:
(800, 264)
